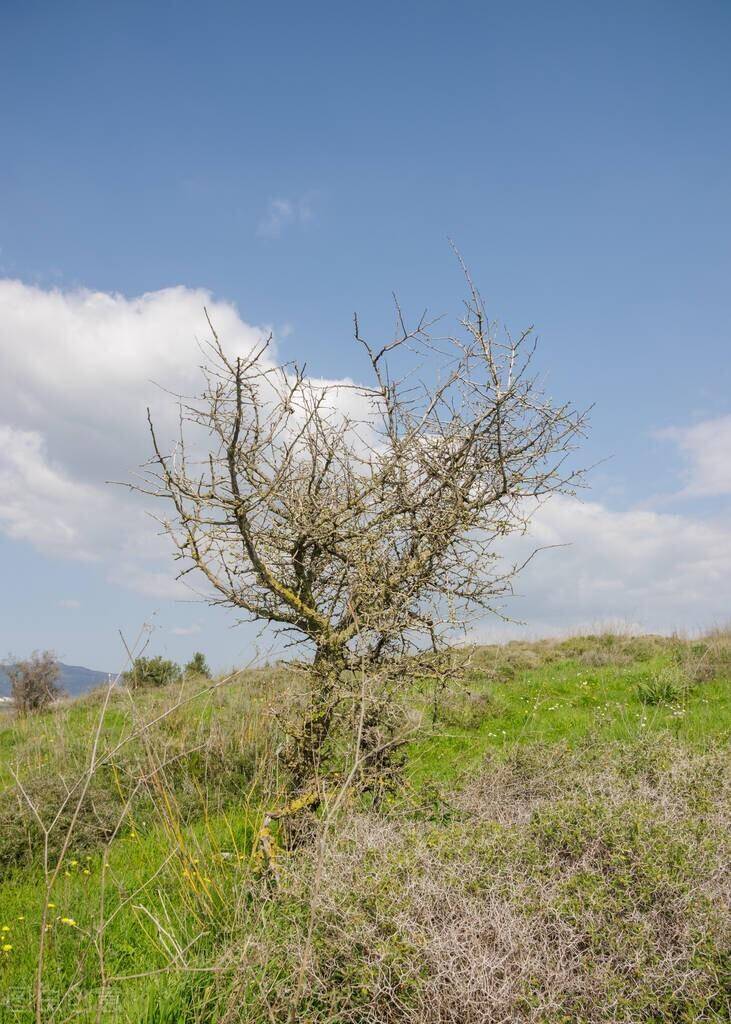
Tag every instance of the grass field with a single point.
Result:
(558, 852)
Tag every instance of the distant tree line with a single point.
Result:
(34, 681)
(159, 671)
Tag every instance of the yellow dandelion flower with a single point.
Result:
(68, 921)
(21, 917)
(51, 906)
(5, 928)
(73, 863)
(86, 871)
(7, 947)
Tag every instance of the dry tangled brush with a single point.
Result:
(590, 889)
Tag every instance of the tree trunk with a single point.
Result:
(308, 760)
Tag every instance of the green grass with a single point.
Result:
(583, 746)
(186, 895)
(566, 701)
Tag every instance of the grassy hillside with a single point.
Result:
(558, 852)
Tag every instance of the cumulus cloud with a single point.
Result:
(41, 503)
(706, 447)
(79, 370)
(78, 373)
(282, 214)
(80, 366)
(650, 570)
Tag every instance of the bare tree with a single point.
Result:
(364, 519)
(34, 682)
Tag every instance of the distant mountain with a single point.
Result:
(74, 679)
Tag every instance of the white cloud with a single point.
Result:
(284, 213)
(654, 570)
(78, 373)
(78, 366)
(77, 377)
(186, 630)
(41, 503)
(707, 450)
(70, 603)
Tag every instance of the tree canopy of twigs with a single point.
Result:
(34, 682)
(365, 518)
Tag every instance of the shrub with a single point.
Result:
(22, 838)
(606, 902)
(34, 682)
(198, 666)
(601, 657)
(665, 688)
(705, 659)
(156, 671)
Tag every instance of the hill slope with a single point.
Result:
(558, 852)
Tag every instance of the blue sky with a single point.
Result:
(300, 162)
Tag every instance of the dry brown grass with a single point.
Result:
(706, 658)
